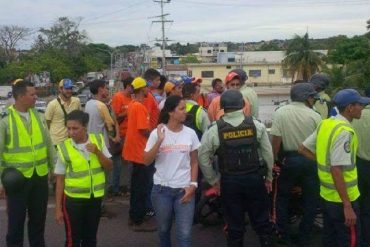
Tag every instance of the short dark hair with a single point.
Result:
(79, 116)
(151, 74)
(169, 106)
(95, 85)
(214, 82)
(127, 82)
(20, 88)
(188, 89)
(163, 81)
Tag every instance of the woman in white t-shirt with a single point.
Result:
(173, 146)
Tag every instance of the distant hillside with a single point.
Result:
(276, 45)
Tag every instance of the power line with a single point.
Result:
(285, 4)
(164, 39)
(108, 14)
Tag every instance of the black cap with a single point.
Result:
(301, 91)
(320, 80)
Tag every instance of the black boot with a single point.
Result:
(235, 242)
(266, 240)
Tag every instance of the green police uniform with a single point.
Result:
(252, 97)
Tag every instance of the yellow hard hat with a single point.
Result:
(138, 83)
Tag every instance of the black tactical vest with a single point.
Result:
(238, 153)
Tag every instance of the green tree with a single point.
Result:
(64, 35)
(10, 36)
(351, 60)
(300, 59)
(269, 46)
(349, 49)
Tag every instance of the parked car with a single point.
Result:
(40, 106)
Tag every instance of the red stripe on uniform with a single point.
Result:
(273, 213)
(353, 236)
(68, 224)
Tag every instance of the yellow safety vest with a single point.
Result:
(328, 131)
(26, 150)
(188, 107)
(83, 178)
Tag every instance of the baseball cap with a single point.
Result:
(186, 79)
(16, 81)
(349, 96)
(169, 86)
(138, 83)
(66, 83)
(320, 80)
(241, 73)
(301, 91)
(196, 80)
(231, 76)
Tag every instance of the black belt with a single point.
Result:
(291, 154)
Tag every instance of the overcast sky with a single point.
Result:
(118, 22)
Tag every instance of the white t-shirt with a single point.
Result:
(340, 154)
(172, 162)
(60, 167)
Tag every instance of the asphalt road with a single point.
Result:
(114, 232)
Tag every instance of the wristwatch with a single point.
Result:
(195, 184)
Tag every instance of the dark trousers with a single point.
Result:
(297, 171)
(33, 198)
(141, 180)
(363, 170)
(149, 206)
(240, 193)
(81, 220)
(335, 232)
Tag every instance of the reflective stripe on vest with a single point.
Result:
(26, 150)
(83, 178)
(188, 107)
(327, 133)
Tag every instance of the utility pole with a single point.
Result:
(163, 20)
(241, 56)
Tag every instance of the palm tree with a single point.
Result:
(301, 61)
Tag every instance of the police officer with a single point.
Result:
(320, 82)
(335, 144)
(80, 181)
(362, 128)
(239, 142)
(291, 125)
(26, 146)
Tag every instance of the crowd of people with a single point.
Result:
(169, 139)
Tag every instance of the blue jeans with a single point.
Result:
(116, 172)
(297, 171)
(166, 203)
